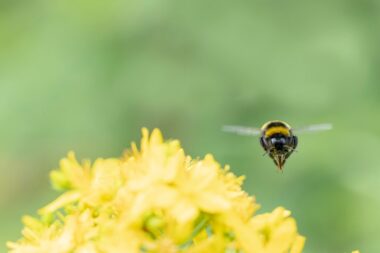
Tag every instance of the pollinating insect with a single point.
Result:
(277, 138)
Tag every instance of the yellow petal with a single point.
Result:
(214, 244)
(282, 237)
(184, 211)
(211, 202)
(156, 137)
(163, 196)
(61, 201)
(298, 244)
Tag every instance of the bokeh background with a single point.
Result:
(87, 75)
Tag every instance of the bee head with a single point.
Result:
(278, 142)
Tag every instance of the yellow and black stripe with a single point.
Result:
(276, 127)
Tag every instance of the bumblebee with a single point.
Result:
(277, 138)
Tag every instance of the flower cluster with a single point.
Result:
(154, 199)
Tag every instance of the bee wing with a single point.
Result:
(313, 128)
(241, 130)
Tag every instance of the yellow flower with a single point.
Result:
(278, 231)
(186, 187)
(154, 199)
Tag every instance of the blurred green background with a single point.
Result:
(87, 75)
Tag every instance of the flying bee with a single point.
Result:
(277, 138)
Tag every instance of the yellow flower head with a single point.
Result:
(154, 199)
